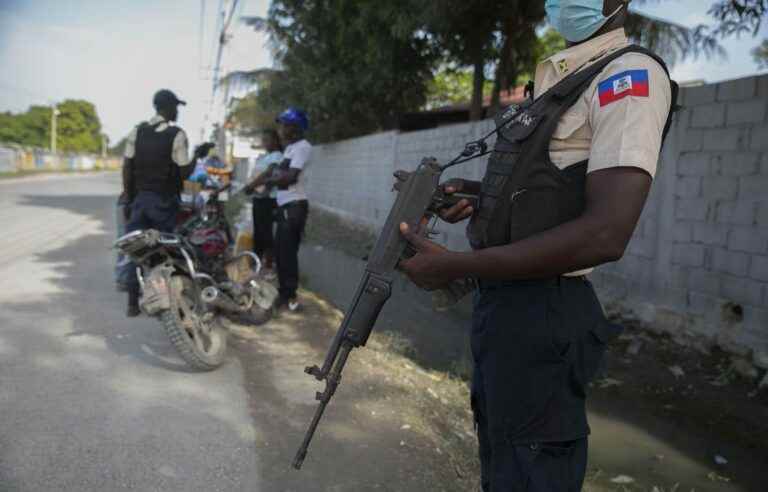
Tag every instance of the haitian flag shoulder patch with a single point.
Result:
(629, 83)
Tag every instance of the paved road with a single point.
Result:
(88, 400)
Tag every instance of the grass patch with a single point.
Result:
(329, 229)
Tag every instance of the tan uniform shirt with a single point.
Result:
(627, 131)
(180, 151)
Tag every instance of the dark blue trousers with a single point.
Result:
(150, 210)
(536, 345)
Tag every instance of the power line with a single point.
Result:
(226, 18)
(201, 35)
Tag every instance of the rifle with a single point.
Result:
(419, 195)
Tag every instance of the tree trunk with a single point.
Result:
(501, 81)
(476, 107)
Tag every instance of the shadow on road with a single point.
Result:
(87, 288)
(104, 403)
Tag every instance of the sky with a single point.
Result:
(117, 53)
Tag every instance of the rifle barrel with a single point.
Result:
(332, 382)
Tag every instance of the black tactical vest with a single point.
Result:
(153, 165)
(523, 192)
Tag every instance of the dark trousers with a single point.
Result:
(150, 210)
(291, 219)
(122, 263)
(263, 225)
(536, 345)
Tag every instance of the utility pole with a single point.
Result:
(54, 113)
(227, 10)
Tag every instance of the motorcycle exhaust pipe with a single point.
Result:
(214, 297)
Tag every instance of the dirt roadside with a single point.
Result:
(394, 426)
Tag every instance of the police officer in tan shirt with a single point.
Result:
(563, 191)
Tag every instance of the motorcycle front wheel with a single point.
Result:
(201, 344)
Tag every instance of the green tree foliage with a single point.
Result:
(549, 44)
(356, 65)
(79, 128)
(353, 65)
(519, 45)
(466, 34)
(673, 42)
(249, 117)
(738, 16)
(30, 128)
(452, 86)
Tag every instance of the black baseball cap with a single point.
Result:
(165, 98)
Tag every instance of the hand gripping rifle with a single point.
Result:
(419, 195)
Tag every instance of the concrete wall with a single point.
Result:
(16, 158)
(698, 263)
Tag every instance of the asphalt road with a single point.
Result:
(90, 401)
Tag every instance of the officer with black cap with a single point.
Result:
(563, 191)
(156, 161)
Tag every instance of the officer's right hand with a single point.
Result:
(463, 209)
(203, 149)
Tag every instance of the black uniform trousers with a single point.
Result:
(150, 210)
(536, 345)
(263, 225)
(291, 220)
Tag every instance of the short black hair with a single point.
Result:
(271, 132)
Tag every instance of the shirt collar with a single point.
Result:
(573, 58)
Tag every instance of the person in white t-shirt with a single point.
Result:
(292, 203)
(264, 199)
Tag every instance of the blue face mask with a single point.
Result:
(577, 20)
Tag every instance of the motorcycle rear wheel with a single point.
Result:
(201, 344)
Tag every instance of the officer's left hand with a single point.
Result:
(428, 269)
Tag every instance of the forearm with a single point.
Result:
(283, 179)
(572, 246)
(260, 180)
(614, 201)
(186, 171)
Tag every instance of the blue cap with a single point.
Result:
(294, 116)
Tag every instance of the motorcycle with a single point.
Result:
(187, 280)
